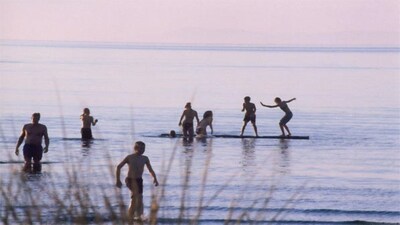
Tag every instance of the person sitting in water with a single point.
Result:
(288, 114)
(206, 121)
(87, 122)
(188, 116)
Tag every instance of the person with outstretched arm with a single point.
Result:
(288, 114)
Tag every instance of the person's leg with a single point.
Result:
(185, 130)
(243, 127)
(255, 129)
(139, 205)
(139, 198)
(27, 151)
(132, 186)
(37, 154)
(282, 129)
(191, 132)
(287, 129)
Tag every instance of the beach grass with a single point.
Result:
(25, 199)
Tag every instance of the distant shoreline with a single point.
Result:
(198, 47)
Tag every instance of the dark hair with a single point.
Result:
(141, 145)
(36, 114)
(247, 98)
(207, 114)
(278, 100)
(188, 105)
(172, 133)
(86, 110)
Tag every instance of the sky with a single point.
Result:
(229, 22)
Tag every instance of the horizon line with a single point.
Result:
(197, 46)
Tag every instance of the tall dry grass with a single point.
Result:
(25, 199)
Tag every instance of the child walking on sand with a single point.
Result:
(288, 114)
(134, 181)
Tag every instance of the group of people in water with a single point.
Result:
(34, 132)
(188, 115)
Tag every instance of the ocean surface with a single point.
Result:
(348, 103)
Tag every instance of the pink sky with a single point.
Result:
(258, 22)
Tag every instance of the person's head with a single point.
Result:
(35, 117)
(247, 99)
(86, 111)
(277, 100)
(188, 105)
(172, 133)
(139, 147)
(207, 114)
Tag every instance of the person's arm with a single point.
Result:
(243, 108)
(197, 118)
(94, 121)
(118, 173)
(269, 106)
(46, 140)
(180, 120)
(290, 100)
(212, 130)
(20, 140)
(153, 174)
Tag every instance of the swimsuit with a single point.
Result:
(249, 117)
(286, 118)
(32, 151)
(288, 114)
(86, 133)
(135, 185)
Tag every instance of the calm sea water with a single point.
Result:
(348, 102)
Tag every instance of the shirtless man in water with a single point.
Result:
(188, 116)
(33, 134)
(134, 180)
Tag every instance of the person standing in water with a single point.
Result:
(207, 120)
(134, 180)
(288, 114)
(188, 116)
(250, 114)
(33, 133)
(87, 122)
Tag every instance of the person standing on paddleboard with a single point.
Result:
(288, 114)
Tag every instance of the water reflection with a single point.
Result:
(86, 145)
(284, 156)
(248, 152)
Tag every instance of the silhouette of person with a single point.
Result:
(207, 120)
(87, 122)
(33, 134)
(250, 114)
(288, 114)
(188, 116)
(134, 180)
